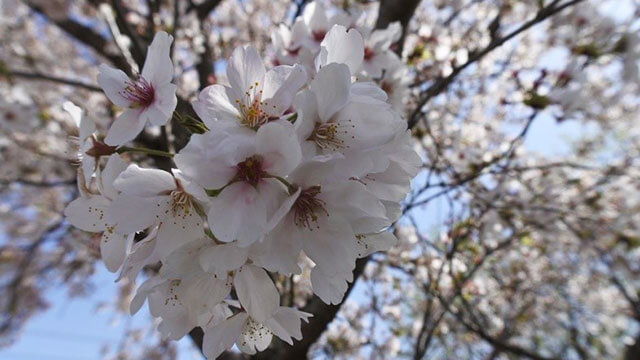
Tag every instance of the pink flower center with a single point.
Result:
(318, 35)
(368, 53)
(307, 207)
(294, 51)
(250, 171)
(139, 92)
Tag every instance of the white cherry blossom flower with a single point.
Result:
(151, 198)
(323, 221)
(255, 97)
(318, 23)
(148, 98)
(378, 57)
(336, 116)
(243, 169)
(290, 46)
(342, 46)
(183, 304)
(395, 83)
(88, 213)
(250, 335)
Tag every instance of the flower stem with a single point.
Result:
(290, 187)
(124, 149)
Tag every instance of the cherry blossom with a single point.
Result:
(244, 169)
(89, 213)
(250, 335)
(148, 98)
(155, 199)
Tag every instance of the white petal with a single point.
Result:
(132, 213)
(331, 87)
(164, 103)
(176, 326)
(139, 256)
(254, 337)
(354, 200)
(279, 251)
(330, 289)
(88, 213)
(313, 172)
(367, 90)
(88, 167)
(343, 47)
(244, 70)
(113, 81)
(283, 210)
(180, 263)
(223, 257)
(190, 186)
(113, 247)
(214, 105)
(222, 336)
(205, 291)
(87, 128)
(315, 17)
(126, 127)
(238, 213)
(285, 323)
(210, 159)
(144, 182)
(142, 292)
(332, 245)
(306, 106)
(115, 165)
(256, 292)
(158, 68)
(371, 243)
(382, 39)
(277, 143)
(177, 229)
(368, 125)
(75, 111)
(280, 86)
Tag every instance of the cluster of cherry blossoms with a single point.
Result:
(304, 161)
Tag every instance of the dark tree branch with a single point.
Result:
(497, 343)
(205, 66)
(396, 10)
(323, 314)
(204, 9)
(38, 76)
(33, 183)
(441, 84)
(138, 47)
(88, 37)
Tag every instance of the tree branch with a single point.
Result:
(138, 51)
(396, 10)
(323, 314)
(28, 182)
(86, 36)
(38, 76)
(204, 9)
(441, 84)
